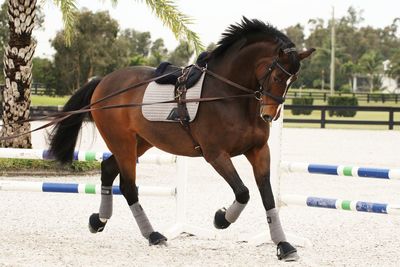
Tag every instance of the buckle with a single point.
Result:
(258, 95)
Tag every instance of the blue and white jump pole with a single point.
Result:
(341, 204)
(341, 170)
(79, 188)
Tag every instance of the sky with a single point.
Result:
(212, 17)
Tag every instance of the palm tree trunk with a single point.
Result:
(18, 72)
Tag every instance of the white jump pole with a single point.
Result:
(181, 226)
(42, 154)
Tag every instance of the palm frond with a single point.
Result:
(114, 3)
(169, 14)
(68, 9)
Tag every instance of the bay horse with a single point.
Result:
(252, 56)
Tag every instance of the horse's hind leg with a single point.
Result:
(109, 171)
(126, 156)
(260, 161)
(223, 165)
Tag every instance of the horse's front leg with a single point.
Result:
(259, 158)
(223, 165)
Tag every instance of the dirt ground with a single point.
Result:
(45, 229)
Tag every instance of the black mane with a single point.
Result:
(250, 30)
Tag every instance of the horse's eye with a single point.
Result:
(277, 80)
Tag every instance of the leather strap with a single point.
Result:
(180, 95)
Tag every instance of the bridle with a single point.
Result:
(266, 91)
(265, 81)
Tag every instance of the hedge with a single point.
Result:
(302, 101)
(342, 101)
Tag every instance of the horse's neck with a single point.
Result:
(239, 65)
(241, 71)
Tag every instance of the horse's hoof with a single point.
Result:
(219, 219)
(95, 225)
(156, 238)
(286, 252)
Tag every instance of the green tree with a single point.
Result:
(158, 52)
(136, 42)
(296, 34)
(90, 53)
(394, 68)
(134, 47)
(354, 46)
(371, 65)
(181, 55)
(43, 73)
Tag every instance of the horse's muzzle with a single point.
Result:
(270, 113)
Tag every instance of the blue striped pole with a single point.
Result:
(20, 153)
(51, 187)
(340, 204)
(341, 170)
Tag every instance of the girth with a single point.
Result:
(180, 96)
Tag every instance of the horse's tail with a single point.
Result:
(65, 133)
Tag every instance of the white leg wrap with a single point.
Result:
(233, 212)
(275, 227)
(141, 219)
(106, 204)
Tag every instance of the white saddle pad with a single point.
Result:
(163, 92)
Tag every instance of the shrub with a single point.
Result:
(342, 101)
(302, 101)
(375, 97)
(345, 88)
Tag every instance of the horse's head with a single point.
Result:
(275, 75)
(254, 44)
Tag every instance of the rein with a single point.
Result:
(60, 116)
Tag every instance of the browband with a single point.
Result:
(290, 49)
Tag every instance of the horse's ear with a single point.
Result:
(306, 54)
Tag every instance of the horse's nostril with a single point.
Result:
(266, 117)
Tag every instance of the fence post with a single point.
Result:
(391, 119)
(324, 97)
(368, 98)
(383, 98)
(323, 111)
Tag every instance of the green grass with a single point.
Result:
(43, 100)
(31, 165)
